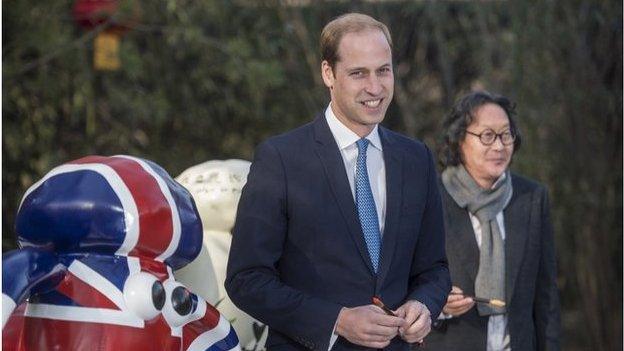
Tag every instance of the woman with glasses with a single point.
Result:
(499, 237)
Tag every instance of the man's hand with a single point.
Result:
(417, 321)
(456, 304)
(368, 326)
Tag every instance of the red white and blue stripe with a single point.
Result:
(88, 308)
(118, 205)
(105, 219)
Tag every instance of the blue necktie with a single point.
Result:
(366, 205)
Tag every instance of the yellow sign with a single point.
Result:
(106, 52)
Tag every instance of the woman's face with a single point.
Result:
(486, 163)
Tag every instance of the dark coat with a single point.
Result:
(530, 282)
(298, 254)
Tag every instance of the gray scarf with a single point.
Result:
(485, 204)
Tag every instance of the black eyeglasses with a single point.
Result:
(488, 137)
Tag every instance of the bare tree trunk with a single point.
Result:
(437, 15)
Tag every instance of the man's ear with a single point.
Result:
(328, 74)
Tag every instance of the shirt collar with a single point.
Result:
(346, 137)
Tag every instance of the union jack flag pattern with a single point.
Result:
(99, 238)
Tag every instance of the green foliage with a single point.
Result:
(207, 80)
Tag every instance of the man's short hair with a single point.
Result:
(462, 115)
(347, 23)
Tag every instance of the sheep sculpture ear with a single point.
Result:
(25, 273)
(100, 238)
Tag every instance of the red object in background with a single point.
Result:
(92, 13)
(117, 16)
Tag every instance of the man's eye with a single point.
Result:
(384, 70)
(356, 74)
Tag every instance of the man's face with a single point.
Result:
(362, 82)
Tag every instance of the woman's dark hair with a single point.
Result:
(462, 115)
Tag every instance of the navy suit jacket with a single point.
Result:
(298, 254)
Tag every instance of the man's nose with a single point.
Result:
(373, 85)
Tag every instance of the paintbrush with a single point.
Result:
(493, 302)
(377, 302)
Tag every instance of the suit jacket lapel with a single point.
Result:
(460, 237)
(393, 159)
(516, 216)
(329, 154)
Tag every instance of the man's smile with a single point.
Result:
(372, 103)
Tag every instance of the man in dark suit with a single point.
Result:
(341, 210)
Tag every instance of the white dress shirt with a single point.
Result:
(346, 140)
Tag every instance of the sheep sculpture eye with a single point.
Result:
(181, 300)
(144, 295)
